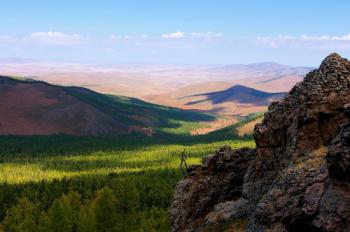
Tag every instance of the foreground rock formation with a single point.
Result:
(298, 177)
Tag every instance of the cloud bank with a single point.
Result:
(194, 35)
(315, 41)
(54, 37)
(174, 35)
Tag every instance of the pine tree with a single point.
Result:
(105, 211)
(64, 213)
(126, 207)
(55, 220)
(22, 217)
(86, 221)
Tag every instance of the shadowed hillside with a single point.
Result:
(33, 107)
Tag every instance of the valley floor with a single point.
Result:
(66, 183)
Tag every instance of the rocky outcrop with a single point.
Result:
(219, 180)
(297, 179)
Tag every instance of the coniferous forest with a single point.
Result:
(71, 183)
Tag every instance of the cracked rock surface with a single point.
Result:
(297, 178)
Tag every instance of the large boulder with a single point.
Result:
(297, 178)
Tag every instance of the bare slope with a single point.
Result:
(32, 107)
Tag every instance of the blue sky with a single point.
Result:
(174, 31)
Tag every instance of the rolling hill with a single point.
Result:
(29, 107)
(236, 100)
(239, 94)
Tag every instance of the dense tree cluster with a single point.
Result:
(118, 203)
(67, 183)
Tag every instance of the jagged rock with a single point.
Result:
(219, 180)
(339, 155)
(297, 179)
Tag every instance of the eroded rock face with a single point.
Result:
(217, 183)
(298, 177)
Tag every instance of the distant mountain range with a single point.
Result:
(263, 68)
(154, 80)
(170, 85)
(30, 107)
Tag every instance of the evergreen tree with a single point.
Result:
(126, 207)
(55, 219)
(105, 211)
(22, 217)
(64, 213)
(87, 221)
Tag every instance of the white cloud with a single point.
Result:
(174, 35)
(206, 35)
(114, 37)
(144, 36)
(314, 40)
(54, 37)
(325, 38)
(193, 35)
(123, 37)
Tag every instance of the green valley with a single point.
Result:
(44, 177)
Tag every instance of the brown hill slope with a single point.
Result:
(37, 108)
(297, 179)
(28, 108)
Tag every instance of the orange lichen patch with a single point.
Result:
(238, 226)
(314, 159)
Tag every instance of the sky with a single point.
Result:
(208, 32)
